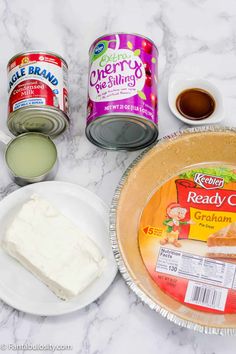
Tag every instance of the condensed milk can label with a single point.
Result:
(37, 79)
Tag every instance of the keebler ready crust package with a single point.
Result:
(187, 238)
(173, 228)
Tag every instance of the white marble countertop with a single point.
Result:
(194, 36)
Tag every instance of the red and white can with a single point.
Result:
(38, 93)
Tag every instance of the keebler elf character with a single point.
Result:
(176, 214)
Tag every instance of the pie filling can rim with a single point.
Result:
(122, 33)
(151, 126)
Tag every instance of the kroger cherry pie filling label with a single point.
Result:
(122, 92)
(37, 79)
(187, 238)
(123, 77)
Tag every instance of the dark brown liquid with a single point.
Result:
(195, 104)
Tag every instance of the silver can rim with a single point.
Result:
(118, 255)
(41, 108)
(136, 117)
(126, 33)
(44, 52)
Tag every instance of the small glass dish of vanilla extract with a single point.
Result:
(195, 101)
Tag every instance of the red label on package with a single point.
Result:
(37, 79)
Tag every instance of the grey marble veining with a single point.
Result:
(197, 37)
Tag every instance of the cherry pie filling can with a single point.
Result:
(122, 109)
(38, 93)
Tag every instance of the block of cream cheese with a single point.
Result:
(50, 246)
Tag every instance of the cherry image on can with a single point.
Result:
(122, 108)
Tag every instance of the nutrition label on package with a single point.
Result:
(196, 268)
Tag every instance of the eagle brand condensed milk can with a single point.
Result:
(37, 112)
(38, 94)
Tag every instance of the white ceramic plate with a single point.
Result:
(18, 287)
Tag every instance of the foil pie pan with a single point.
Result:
(154, 166)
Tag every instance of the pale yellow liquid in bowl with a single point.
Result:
(31, 155)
